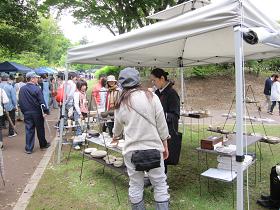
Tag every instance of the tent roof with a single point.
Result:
(45, 70)
(12, 66)
(202, 36)
(179, 9)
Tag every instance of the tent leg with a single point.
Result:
(61, 125)
(182, 96)
(239, 114)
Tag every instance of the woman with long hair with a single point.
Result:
(139, 115)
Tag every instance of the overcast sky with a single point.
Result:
(75, 32)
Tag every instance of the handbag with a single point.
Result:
(174, 143)
(145, 160)
(174, 147)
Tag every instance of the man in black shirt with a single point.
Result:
(267, 91)
(30, 101)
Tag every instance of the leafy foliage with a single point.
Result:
(117, 16)
(108, 70)
(18, 25)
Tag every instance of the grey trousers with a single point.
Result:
(267, 102)
(136, 181)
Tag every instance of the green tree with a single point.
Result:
(18, 25)
(118, 16)
(51, 43)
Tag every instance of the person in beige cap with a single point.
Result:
(111, 99)
(140, 116)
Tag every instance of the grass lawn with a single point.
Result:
(61, 188)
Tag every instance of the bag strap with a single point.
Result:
(142, 116)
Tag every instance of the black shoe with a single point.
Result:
(265, 197)
(45, 147)
(28, 152)
(268, 204)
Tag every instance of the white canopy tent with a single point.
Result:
(199, 37)
(179, 9)
(208, 35)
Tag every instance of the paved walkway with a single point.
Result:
(19, 167)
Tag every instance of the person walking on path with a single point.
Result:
(267, 92)
(138, 111)
(11, 106)
(3, 100)
(31, 102)
(275, 93)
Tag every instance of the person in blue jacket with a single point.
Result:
(34, 109)
(11, 106)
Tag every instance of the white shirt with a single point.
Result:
(3, 100)
(275, 91)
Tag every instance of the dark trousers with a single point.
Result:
(32, 121)
(12, 115)
(273, 105)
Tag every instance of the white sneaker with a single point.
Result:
(10, 136)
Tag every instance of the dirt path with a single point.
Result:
(19, 166)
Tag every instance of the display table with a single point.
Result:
(104, 141)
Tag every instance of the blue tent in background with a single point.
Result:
(13, 67)
(45, 70)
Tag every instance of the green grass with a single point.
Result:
(60, 187)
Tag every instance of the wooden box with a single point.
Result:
(210, 142)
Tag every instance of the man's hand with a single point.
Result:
(166, 151)
(44, 115)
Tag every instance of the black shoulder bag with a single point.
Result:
(145, 160)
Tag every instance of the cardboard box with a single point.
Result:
(210, 142)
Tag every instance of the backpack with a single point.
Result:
(59, 94)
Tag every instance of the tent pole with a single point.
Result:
(182, 89)
(239, 114)
(61, 124)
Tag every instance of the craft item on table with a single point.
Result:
(109, 159)
(271, 139)
(250, 100)
(218, 130)
(211, 142)
(229, 163)
(98, 154)
(226, 149)
(93, 133)
(104, 114)
(90, 150)
(80, 138)
(111, 112)
(118, 163)
(113, 144)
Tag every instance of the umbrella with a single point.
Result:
(13, 67)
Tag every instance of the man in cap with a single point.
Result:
(11, 106)
(31, 102)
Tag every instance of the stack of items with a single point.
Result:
(229, 163)
(80, 138)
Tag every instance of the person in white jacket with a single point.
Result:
(275, 93)
(3, 100)
(140, 117)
